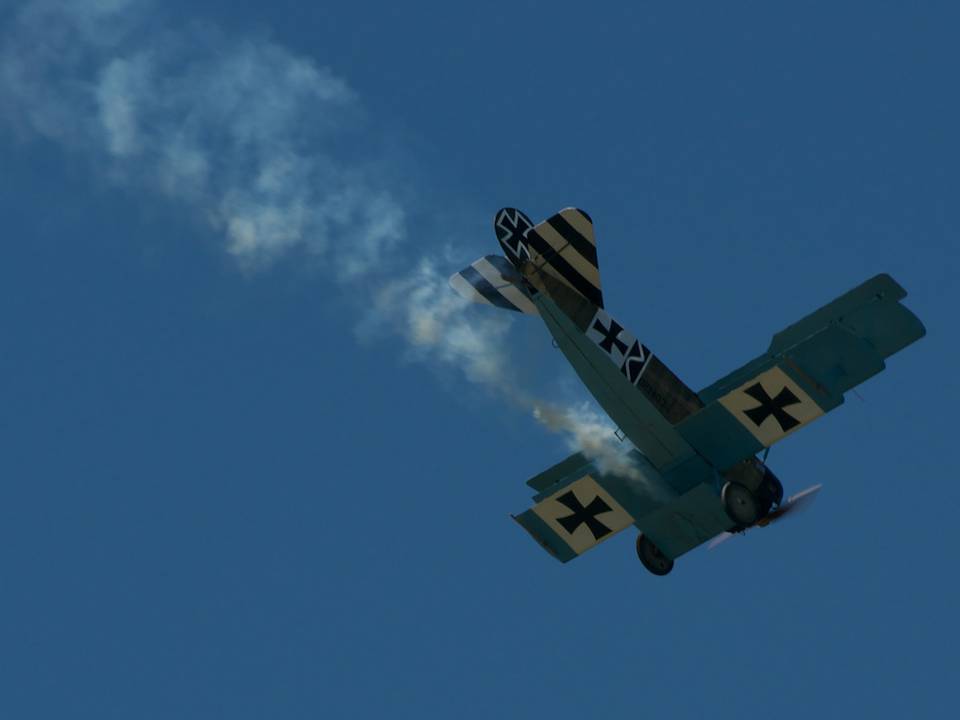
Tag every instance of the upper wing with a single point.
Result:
(804, 373)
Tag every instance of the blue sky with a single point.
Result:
(258, 462)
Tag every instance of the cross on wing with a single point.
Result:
(576, 516)
(772, 406)
(584, 515)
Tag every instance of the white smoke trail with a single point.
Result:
(591, 433)
(437, 325)
(246, 135)
(238, 129)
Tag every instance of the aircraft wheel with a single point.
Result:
(741, 505)
(651, 557)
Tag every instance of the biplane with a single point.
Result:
(695, 473)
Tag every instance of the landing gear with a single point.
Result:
(770, 492)
(741, 504)
(651, 557)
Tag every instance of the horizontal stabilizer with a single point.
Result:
(492, 280)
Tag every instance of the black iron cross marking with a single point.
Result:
(515, 230)
(772, 406)
(611, 336)
(584, 515)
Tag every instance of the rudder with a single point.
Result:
(563, 246)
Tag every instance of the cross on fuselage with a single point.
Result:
(611, 336)
(772, 406)
(584, 515)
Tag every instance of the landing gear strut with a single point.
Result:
(651, 557)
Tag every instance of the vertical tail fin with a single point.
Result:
(562, 246)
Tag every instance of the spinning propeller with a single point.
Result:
(793, 504)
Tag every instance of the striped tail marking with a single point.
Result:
(494, 281)
(562, 246)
